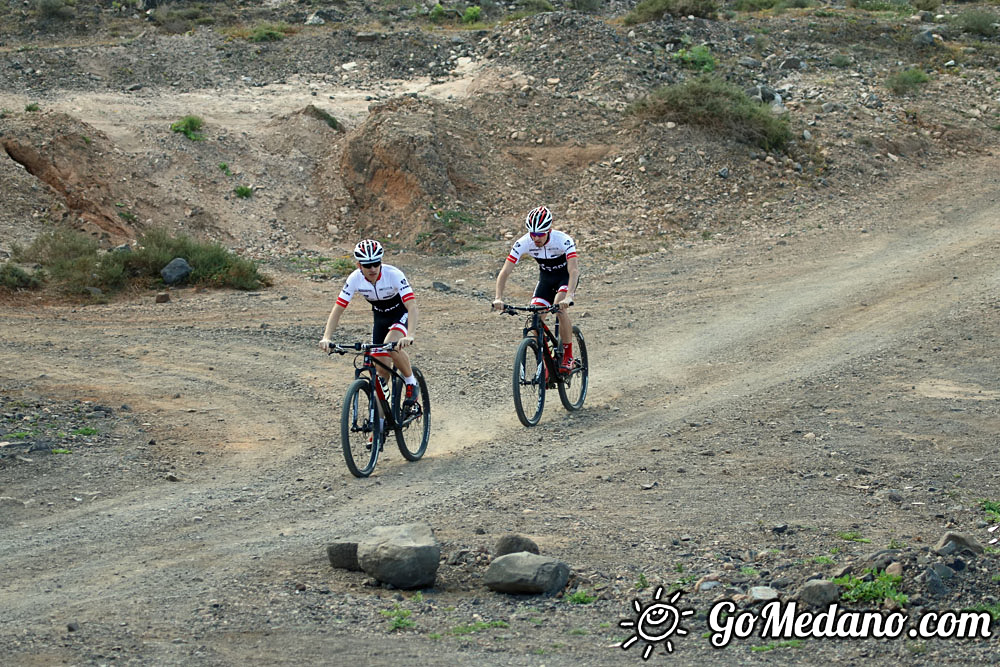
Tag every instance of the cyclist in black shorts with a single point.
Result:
(393, 306)
(558, 271)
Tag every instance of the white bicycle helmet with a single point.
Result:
(368, 251)
(539, 220)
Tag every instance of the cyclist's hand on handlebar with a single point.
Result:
(498, 304)
(326, 345)
(404, 342)
(563, 305)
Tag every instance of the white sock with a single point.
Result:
(410, 380)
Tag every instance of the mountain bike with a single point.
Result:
(536, 365)
(368, 414)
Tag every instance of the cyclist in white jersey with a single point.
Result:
(394, 309)
(558, 271)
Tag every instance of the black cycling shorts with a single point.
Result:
(385, 322)
(549, 284)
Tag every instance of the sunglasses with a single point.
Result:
(537, 235)
(373, 265)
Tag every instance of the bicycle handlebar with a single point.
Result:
(513, 310)
(344, 348)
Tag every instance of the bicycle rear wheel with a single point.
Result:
(573, 385)
(529, 382)
(360, 428)
(413, 423)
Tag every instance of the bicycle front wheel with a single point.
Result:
(360, 428)
(413, 423)
(529, 382)
(573, 385)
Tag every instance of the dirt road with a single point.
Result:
(751, 404)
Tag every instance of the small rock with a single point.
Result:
(512, 544)
(819, 593)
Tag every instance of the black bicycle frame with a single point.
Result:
(548, 342)
(368, 364)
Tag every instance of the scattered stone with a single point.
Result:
(344, 555)
(762, 594)
(525, 572)
(510, 544)
(952, 542)
(819, 593)
(935, 586)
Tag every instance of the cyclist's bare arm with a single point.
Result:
(332, 323)
(411, 323)
(502, 283)
(573, 266)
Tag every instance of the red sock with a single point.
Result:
(567, 350)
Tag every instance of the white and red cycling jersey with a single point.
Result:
(387, 295)
(550, 257)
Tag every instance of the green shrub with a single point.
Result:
(881, 586)
(753, 5)
(880, 6)
(536, 6)
(69, 258)
(13, 277)
(906, 81)
(211, 263)
(654, 10)
(176, 20)
(189, 126)
(580, 596)
(925, 5)
(243, 192)
(471, 14)
(269, 32)
(32, 107)
(698, 58)
(54, 9)
(840, 60)
(586, 6)
(977, 22)
(72, 262)
(721, 106)
(992, 509)
(437, 13)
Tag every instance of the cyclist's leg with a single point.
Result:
(399, 357)
(380, 332)
(565, 324)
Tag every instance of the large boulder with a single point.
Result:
(525, 572)
(176, 271)
(405, 556)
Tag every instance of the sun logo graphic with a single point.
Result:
(656, 622)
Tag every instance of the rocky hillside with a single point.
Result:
(437, 135)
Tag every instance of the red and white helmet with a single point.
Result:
(539, 220)
(368, 251)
